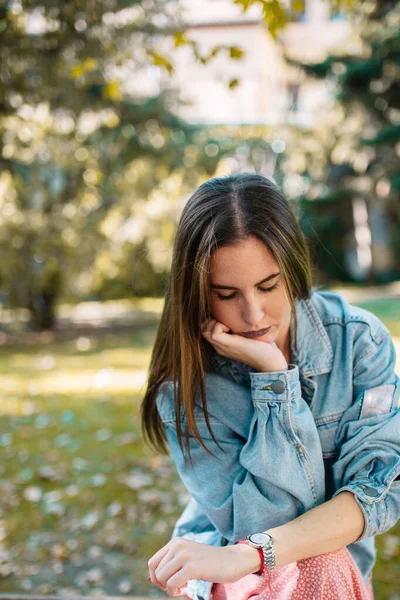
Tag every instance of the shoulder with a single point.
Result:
(336, 313)
(361, 344)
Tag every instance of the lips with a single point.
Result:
(256, 334)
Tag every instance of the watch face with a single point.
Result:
(260, 538)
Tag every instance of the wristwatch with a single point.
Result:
(263, 541)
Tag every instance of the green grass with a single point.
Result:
(74, 416)
(388, 310)
(70, 410)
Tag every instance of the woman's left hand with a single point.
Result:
(180, 560)
(260, 355)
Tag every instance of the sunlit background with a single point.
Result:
(111, 114)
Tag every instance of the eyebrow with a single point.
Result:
(231, 287)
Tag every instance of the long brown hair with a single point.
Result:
(222, 211)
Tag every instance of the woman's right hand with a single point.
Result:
(262, 356)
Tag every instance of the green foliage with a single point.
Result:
(276, 14)
(85, 147)
(389, 134)
(78, 147)
(356, 145)
(321, 220)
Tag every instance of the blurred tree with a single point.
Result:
(89, 144)
(278, 13)
(79, 105)
(349, 162)
(140, 233)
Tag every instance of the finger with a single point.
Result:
(175, 583)
(166, 568)
(208, 327)
(204, 324)
(219, 328)
(161, 587)
(170, 571)
(170, 574)
(153, 563)
(210, 324)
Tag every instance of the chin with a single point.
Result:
(267, 337)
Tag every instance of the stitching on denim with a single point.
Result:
(312, 311)
(364, 355)
(380, 334)
(306, 463)
(326, 420)
(367, 525)
(386, 513)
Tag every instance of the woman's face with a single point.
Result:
(248, 293)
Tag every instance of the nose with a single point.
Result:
(253, 314)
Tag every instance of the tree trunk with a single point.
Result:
(42, 303)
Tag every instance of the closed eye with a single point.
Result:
(231, 296)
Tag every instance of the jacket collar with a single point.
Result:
(314, 354)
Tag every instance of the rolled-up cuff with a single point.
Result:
(277, 386)
(370, 499)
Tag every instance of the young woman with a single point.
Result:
(279, 404)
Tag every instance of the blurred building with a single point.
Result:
(269, 91)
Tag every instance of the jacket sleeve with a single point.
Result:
(265, 475)
(369, 436)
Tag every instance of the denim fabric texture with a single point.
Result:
(331, 424)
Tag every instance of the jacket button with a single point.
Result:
(370, 491)
(278, 386)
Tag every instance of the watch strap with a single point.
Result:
(268, 551)
(263, 569)
(261, 553)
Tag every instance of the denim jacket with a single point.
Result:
(332, 424)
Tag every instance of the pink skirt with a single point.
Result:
(330, 576)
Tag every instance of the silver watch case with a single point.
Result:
(263, 541)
